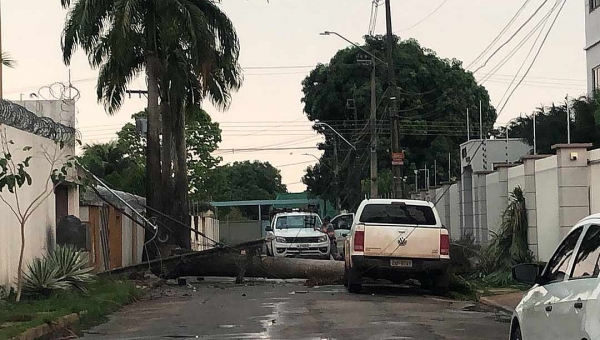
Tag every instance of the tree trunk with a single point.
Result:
(153, 167)
(20, 267)
(231, 264)
(167, 154)
(181, 211)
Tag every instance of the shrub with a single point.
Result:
(63, 268)
(42, 278)
(72, 266)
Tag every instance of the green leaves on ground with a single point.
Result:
(509, 246)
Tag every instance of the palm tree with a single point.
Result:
(188, 48)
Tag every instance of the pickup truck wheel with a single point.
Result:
(345, 278)
(442, 284)
(354, 281)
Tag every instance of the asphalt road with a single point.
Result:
(276, 310)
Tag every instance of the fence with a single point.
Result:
(559, 190)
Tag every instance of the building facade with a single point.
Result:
(592, 43)
(36, 124)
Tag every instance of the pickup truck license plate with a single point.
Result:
(400, 263)
(303, 246)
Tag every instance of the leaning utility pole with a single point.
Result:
(373, 123)
(396, 163)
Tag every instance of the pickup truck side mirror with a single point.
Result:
(528, 273)
(269, 228)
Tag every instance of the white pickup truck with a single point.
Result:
(297, 234)
(397, 240)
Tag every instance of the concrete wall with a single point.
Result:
(481, 157)
(516, 178)
(546, 186)
(594, 157)
(235, 232)
(454, 226)
(494, 202)
(40, 231)
(60, 111)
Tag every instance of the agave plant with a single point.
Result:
(42, 278)
(71, 265)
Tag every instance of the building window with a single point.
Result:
(596, 76)
(594, 4)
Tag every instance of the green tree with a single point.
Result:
(189, 50)
(122, 162)
(244, 181)
(433, 99)
(112, 162)
(551, 124)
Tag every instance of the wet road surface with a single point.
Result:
(267, 310)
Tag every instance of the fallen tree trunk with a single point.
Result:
(238, 265)
(241, 261)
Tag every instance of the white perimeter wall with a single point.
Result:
(546, 186)
(516, 178)
(40, 231)
(494, 203)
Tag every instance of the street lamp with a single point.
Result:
(318, 123)
(318, 159)
(355, 45)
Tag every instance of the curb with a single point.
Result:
(49, 328)
(490, 303)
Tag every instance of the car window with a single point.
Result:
(343, 222)
(298, 222)
(398, 214)
(559, 263)
(586, 261)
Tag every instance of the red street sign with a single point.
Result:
(398, 158)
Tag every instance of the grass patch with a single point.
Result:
(103, 297)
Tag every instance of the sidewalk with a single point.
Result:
(505, 302)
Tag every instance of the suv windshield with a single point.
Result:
(298, 222)
(398, 214)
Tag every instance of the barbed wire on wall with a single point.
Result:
(20, 118)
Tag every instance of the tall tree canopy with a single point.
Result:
(432, 103)
(189, 50)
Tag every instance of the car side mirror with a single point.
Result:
(269, 228)
(528, 273)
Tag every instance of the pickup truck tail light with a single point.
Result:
(444, 244)
(359, 240)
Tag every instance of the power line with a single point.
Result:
(512, 36)
(540, 25)
(425, 18)
(534, 58)
(499, 35)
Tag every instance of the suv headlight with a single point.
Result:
(280, 239)
(323, 238)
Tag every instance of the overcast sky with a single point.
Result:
(285, 34)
